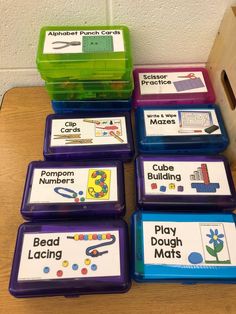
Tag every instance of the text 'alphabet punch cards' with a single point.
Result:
(70, 259)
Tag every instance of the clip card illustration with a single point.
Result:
(109, 127)
(190, 82)
(202, 174)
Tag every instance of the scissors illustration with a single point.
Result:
(190, 76)
(66, 44)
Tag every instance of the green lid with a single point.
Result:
(84, 52)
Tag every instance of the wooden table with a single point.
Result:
(22, 120)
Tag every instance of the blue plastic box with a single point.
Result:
(182, 129)
(60, 106)
(187, 248)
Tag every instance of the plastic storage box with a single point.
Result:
(189, 183)
(61, 190)
(70, 53)
(89, 136)
(187, 248)
(165, 86)
(70, 259)
(76, 106)
(186, 129)
(82, 90)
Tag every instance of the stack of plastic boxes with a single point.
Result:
(86, 67)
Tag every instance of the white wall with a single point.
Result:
(163, 31)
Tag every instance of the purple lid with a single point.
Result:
(70, 258)
(184, 183)
(161, 86)
(60, 190)
(89, 136)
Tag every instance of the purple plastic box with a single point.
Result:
(162, 86)
(198, 183)
(70, 259)
(60, 190)
(89, 136)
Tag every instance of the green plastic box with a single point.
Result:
(71, 53)
(82, 90)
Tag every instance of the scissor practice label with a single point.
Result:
(185, 178)
(70, 185)
(83, 41)
(171, 243)
(171, 83)
(181, 122)
(69, 255)
(88, 131)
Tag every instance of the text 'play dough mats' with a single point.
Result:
(165, 86)
(89, 136)
(180, 129)
(71, 53)
(60, 190)
(70, 259)
(184, 183)
(188, 248)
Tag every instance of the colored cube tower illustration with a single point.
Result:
(206, 186)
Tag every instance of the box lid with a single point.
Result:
(164, 250)
(196, 183)
(62, 190)
(164, 86)
(181, 129)
(89, 135)
(70, 258)
(84, 49)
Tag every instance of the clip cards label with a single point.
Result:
(69, 185)
(189, 243)
(94, 131)
(69, 255)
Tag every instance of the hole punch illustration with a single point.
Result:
(92, 250)
(206, 186)
(65, 44)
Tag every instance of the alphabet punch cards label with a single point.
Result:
(202, 182)
(165, 240)
(61, 190)
(90, 136)
(70, 258)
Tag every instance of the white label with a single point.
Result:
(171, 83)
(88, 132)
(185, 178)
(181, 122)
(189, 243)
(83, 41)
(65, 255)
(69, 185)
